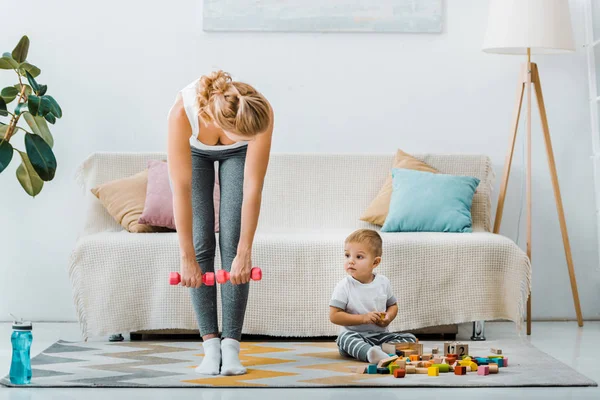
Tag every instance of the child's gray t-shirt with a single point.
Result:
(355, 297)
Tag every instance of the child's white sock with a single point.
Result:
(230, 349)
(375, 354)
(212, 357)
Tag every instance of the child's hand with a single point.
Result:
(371, 318)
(384, 320)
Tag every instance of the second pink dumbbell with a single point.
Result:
(223, 276)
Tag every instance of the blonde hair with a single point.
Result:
(234, 106)
(368, 237)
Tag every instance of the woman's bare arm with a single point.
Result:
(180, 172)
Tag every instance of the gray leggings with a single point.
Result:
(231, 181)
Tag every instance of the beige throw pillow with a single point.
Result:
(377, 211)
(124, 200)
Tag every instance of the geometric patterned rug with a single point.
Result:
(273, 364)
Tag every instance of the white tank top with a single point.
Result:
(188, 94)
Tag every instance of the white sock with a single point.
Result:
(230, 349)
(375, 354)
(212, 357)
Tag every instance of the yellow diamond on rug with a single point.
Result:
(241, 380)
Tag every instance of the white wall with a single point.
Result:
(115, 67)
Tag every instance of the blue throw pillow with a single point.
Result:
(427, 202)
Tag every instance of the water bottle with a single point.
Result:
(20, 367)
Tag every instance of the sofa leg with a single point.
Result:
(478, 331)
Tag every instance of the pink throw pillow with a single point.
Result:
(158, 208)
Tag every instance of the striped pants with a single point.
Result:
(357, 344)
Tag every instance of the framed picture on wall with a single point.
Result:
(409, 16)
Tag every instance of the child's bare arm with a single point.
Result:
(341, 317)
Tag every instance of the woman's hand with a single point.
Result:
(240, 269)
(191, 274)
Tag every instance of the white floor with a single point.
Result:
(576, 347)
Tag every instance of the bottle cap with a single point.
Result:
(20, 325)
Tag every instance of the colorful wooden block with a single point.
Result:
(399, 373)
(473, 366)
(392, 368)
(460, 370)
(400, 363)
(361, 369)
(414, 357)
(482, 361)
(437, 360)
(483, 370)
(383, 371)
(386, 361)
(493, 368)
(496, 351)
(422, 370)
(433, 371)
(372, 369)
(427, 364)
(426, 357)
(505, 362)
(443, 368)
(410, 369)
(409, 352)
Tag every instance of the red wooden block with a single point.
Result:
(460, 370)
(399, 373)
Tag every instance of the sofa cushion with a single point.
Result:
(158, 207)
(428, 202)
(124, 200)
(378, 209)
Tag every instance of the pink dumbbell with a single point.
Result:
(208, 278)
(223, 276)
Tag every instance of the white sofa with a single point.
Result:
(311, 202)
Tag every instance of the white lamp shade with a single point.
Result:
(544, 26)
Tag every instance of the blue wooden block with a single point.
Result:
(372, 369)
(383, 371)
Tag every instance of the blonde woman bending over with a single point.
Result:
(217, 119)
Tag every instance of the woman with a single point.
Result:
(216, 119)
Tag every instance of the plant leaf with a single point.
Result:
(28, 89)
(33, 104)
(29, 179)
(7, 62)
(43, 89)
(3, 130)
(41, 156)
(50, 118)
(19, 108)
(54, 107)
(6, 153)
(9, 94)
(21, 50)
(32, 69)
(32, 82)
(39, 126)
(3, 109)
(44, 107)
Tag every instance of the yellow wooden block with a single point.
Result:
(433, 371)
(473, 366)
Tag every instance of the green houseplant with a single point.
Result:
(38, 163)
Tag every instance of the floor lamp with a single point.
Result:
(527, 27)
